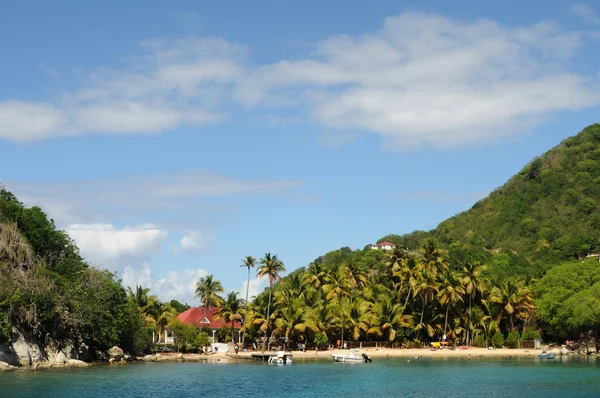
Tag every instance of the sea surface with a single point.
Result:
(439, 377)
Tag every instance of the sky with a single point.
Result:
(172, 139)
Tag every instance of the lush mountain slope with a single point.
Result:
(50, 297)
(547, 213)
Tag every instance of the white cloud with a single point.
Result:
(193, 242)
(422, 79)
(104, 242)
(586, 12)
(428, 80)
(179, 285)
(257, 285)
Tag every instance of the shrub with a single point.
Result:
(498, 340)
(512, 340)
(531, 334)
(321, 340)
(5, 333)
(479, 341)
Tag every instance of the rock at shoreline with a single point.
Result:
(60, 358)
(564, 351)
(4, 365)
(116, 353)
(77, 363)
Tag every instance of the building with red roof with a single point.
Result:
(201, 317)
(383, 246)
(204, 318)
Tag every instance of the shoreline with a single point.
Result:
(475, 352)
(379, 353)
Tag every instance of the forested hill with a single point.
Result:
(547, 213)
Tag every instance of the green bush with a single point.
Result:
(531, 334)
(321, 340)
(479, 341)
(512, 340)
(4, 330)
(498, 340)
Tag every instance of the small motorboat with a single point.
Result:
(545, 355)
(353, 357)
(281, 358)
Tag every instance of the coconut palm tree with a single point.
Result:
(271, 267)
(389, 318)
(337, 286)
(161, 317)
(145, 303)
(450, 292)
(208, 289)
(473, 282)
(248, 262)
(515, 299)
(315, 275)
(229, 311)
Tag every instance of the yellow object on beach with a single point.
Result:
(436, 344)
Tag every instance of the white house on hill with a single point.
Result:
(383, 246)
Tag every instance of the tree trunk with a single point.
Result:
(268, 314)
(246, 309)
(342, 310)
(406, 301)
(446, 319)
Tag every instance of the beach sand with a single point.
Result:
(406, 353)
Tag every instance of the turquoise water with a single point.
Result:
(525, 377)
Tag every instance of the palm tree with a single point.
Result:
(162, 316)
(315, 275)
(389, 318)
(338, 286)
(229, 311)
(272, 267)
(515, 300)
(423, 285)
(145, 304)
(473, 282)
(249, 262)
(450, 292)
(207, 290)
(433, 257)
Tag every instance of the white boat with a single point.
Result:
(281, 358)
(353, 357)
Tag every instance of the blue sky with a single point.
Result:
(172, 139)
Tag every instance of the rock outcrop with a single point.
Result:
(116, 353)
(77, 363)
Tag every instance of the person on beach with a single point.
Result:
(338, 344)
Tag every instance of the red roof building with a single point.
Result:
(204, 318)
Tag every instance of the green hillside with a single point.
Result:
(548, 213)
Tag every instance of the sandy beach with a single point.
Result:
(373, 353)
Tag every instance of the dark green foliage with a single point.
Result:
(479, 341)
(5, 333)
(498, 340)
(321, 340)
(512, 340)
(546, 214)
(48, 291)
(531, 334)
(568, 299)
(178, 306)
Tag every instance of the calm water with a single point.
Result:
(525, 377)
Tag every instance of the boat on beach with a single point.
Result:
(353, 357)
(281, 358)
